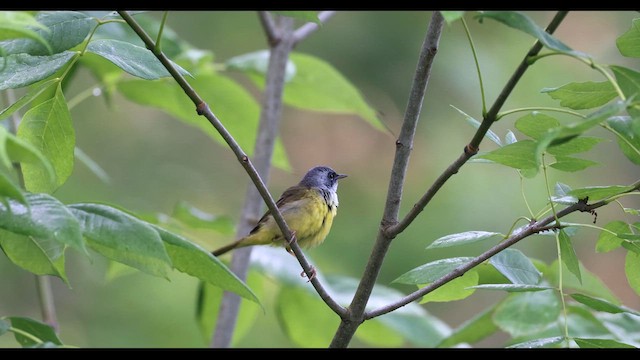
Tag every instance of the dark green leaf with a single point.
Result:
(473, 330)
(10, 190)
(476, 124)
(568, 254)
(14, 149)
(39, 330)
(591, 284)
(571, 164)
(462, 238)
(121, 237)
(600, 343)
(536, 124)
(523, 23)
(432, 271)
(27, 98)
(22, 69)
(602, 305)
(457, 289)
(632, 270)
(584, 95)
(513, 264)
(196, 261)
(135, 60)
(628, 140)
(539, 343)
(48, 127)
(512, 287)
(608, 241)
(232, 104)
(596, 193)
(451, 16)
(519, 155)
(66, 29)
(258, 62)
(527, 313)
(41, 256)
(629, 42)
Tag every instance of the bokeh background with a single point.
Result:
(155, 162)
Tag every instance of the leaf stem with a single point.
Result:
(158, 46)
(475, 59)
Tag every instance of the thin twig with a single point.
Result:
(404, 144)
(307, 29)
(531, 229)
(270, 30)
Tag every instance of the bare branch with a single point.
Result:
(307, 29)
(270, 30)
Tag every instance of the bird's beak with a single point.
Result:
(341, 176)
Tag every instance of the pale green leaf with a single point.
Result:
(457, 289)
(123, 238)
(14, 149)
(34, 328)
(451, 16)
(33, 93)
(535, 125)
(596, 193)
(571, 164)
(561, 195)
(574, 146)
(21, 70)
(628, 139)
(430, 272)
(609, 240)
(583, 95)
(516, 267)
(632, 270)
(9, 190)
(527, 312)
(629, 42)
(48, 128)
(602, 304)
(568, 254)
(462, 238)
(591, 284)
(476, 124)
(519, 155)
(41, 256)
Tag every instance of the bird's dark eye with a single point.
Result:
(332, 175)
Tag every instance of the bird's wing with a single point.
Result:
(290, 195)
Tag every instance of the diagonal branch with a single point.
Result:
(307, 29)
(270, 30)
(548, 223)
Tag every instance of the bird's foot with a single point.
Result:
(313, 274)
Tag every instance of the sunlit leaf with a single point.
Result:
(457, 289)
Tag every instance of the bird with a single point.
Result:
(308, 209)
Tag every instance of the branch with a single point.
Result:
(307, 29)
(270, 30)
(473, 146)
(404, 145)
(528, 230)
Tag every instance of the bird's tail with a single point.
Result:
(225, 249)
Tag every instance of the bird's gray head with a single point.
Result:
(322, 177)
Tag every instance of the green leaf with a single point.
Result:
(523, 23)
(451, 16)
(48, 127)
(535, 125)
(15, 149)
(15, 24)
(473, 330)
(560, 135)
(568, 254)
(377, 334)
(628, 80)
(41, 256)
(629, 42)
(430, 272)
(232, 104)
(512, 287)
(516, 267)
(571, 164)
(457, 289)
(591, 284)
(33, 93)
(191, 259)
(22, 69)
(476, 124)
(596, 193)
(519, 155)
(318, 86)
(600, 343)
(209, 304)
(627, 138)
(538, 343)
(309, 16)
(527, 313)
(39, 330)
(602, 305)
(257, 62)
(574, 146)
(65, 29)
(133, 59)
(462, 238)
(584, 95)
(632, 270)
(9, 190)
(198, 219)
(608, 241)
(123, 238)
(561, 196)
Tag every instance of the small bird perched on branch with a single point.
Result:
(308, 208)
